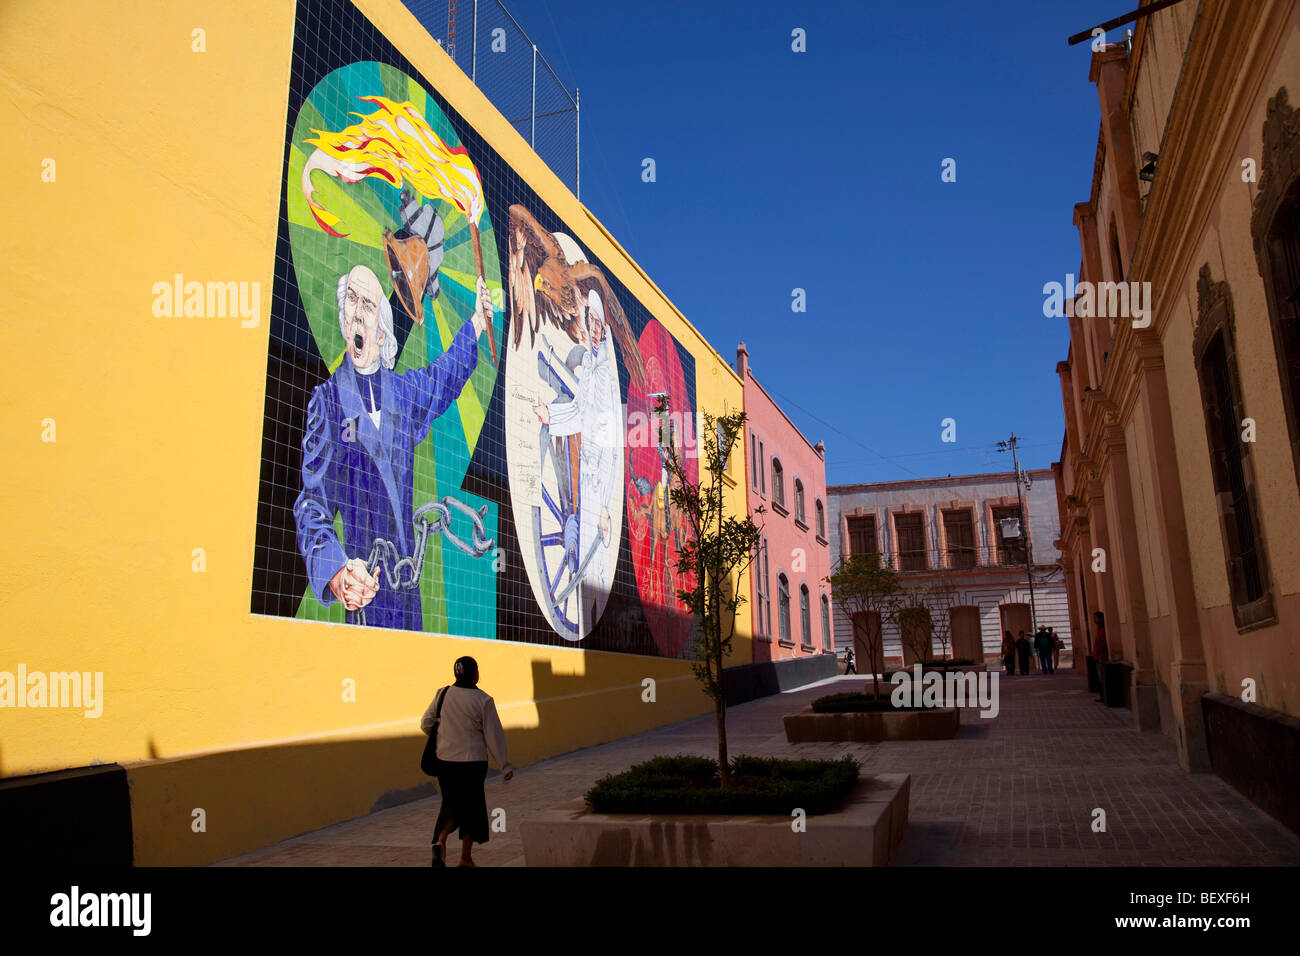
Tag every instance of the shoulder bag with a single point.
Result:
(429, 762)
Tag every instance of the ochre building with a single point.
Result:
(1179, 469)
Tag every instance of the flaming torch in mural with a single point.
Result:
(397, 144)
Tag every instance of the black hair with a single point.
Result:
(466, 671)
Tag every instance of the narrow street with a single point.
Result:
(1016, 790)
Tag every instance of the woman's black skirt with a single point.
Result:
(463, 801)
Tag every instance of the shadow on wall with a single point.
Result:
(191, 810)
(199, 809)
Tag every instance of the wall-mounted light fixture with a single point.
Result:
(1148, 170)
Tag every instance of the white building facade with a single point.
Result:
(974, 537)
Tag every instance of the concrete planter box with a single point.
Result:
(805, 726)
(977, 668)
(865, 831)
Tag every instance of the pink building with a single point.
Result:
(790, 599)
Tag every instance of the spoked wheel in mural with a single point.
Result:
(564, 422)
(559, 559)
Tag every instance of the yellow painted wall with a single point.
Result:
(170, 161)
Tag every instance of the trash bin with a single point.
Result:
(1094, 678)
(1115, 680)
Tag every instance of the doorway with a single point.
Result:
(967, 641)
(1016, 618)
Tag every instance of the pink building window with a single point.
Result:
(783, 606)
(805, 617)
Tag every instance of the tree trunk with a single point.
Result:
(724, 767)
(877, 663)
(720, 706)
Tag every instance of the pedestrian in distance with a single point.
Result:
(1100, 650)
(1043, 644)
(1023, 648)
(848, 658)
(468, 730)
(1009, 653)
(1058, 645)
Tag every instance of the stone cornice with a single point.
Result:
(1112, 51)
(1094, 491)
(1100, 409)
(1112, 437)
(1196, 154)
(1223, 69)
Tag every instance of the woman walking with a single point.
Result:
(468, 730)
(1058, 645)
(1009, 653)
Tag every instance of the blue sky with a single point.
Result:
(821, 170)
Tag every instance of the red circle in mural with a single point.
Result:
(656, 528)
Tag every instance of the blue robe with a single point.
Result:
(369, 480)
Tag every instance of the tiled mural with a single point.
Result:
(455, 438)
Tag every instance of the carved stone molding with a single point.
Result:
(1213, 311)
(1095, 398)
(1113, 439)
(1271, 226)
(1148, 349)
(1279, 167)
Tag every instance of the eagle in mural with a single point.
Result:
(547, 289)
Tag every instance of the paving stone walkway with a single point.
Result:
(1017, 790)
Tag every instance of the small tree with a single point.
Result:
(719, 548)
(926, 617)
(915, 623)
(942, 598)
(865, 589)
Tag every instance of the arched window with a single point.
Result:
(821, 519)
(767, 592)
(778, 482)
(783, 606)
(798, 501)
(826, 623)
(805, 623)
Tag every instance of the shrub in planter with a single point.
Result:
(685, 784)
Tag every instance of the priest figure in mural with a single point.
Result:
(363, 425)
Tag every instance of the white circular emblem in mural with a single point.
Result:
(563, 424)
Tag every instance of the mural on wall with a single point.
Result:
(379, 203)
(447, 449)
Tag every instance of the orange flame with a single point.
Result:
(397, 144)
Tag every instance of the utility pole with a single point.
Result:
(1024, 529)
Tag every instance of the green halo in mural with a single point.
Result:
(378, 180)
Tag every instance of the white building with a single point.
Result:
(966, 532)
